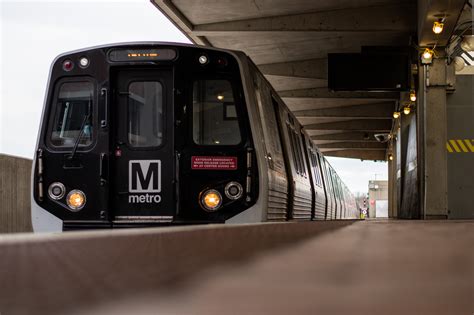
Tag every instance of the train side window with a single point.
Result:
(145, 114)
(73, 112)
(293, 149)
(298, 139)
(317, 170)
(215, 116)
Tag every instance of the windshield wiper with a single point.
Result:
(81, 131)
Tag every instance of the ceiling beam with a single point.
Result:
(352, 145)
(388, 18)
(374, 155)
(345, 136)
(369, 111)
(314, 68)
(326, 93)
(380, 125)
(180, 21)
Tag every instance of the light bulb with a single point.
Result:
(428, 53)
(438, 27)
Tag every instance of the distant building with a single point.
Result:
(378, 199)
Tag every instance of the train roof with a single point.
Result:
(146, 43)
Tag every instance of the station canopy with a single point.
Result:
(290, 40)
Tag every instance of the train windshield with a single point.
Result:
(215, 117)
(73, 111)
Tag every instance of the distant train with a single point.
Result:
(144, 134)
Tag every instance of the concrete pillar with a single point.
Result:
(392, 182)
(398, 169)
(390, 188)
(433, 139)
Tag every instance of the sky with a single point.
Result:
(33, 33)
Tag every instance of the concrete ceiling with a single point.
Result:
(289, 41)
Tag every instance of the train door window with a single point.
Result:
(291, 134)
(73, 112)
(298, 139)
(215, 116)
(145, 114)
(317, 170)
(267, 105)
(314, 162)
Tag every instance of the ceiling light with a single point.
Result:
(428, 53)
(427, 56)
(438, 26)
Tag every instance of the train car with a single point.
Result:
(147, 134)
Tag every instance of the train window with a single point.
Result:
(293, 148)
(215, 116)
(298, 140)
(73, 113)
(145, 114)
(317, 169)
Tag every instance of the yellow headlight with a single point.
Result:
(76, 200)
(211, 200)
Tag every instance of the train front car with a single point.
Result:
(143, 134)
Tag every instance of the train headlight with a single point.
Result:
(203, 59)
(233, 190)
(211, 200)
(76, 200)
(84, 62)
(56, 191)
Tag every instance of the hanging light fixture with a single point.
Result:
(427, 56)
(413, 96)
(438, 26)
(390, 157)
(428, 53)
(406, 110)
(396, 115)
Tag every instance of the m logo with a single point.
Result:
(144, 176)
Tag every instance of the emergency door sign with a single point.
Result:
(214, 163)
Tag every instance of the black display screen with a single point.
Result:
(142, 54)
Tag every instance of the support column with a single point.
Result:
(392, 183)
(433, 107)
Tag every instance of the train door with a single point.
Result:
(143, 174)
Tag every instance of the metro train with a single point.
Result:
(149, 133)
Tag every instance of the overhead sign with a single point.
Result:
(227, 163)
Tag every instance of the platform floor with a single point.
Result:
(366, 267)
(371, 267)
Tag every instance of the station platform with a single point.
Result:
(363, 267)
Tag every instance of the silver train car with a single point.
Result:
(147, 134)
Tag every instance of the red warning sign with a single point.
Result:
(214, 163)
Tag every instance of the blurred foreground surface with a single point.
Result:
(384, 267)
